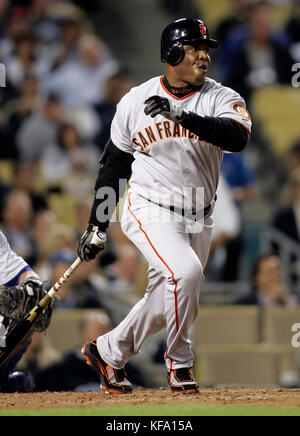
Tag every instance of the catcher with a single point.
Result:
(20, 290)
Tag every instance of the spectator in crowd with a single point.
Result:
(24, 60)
(256, 56)
(4, 10)
(292, 29)
(44, 222)
(15, 26)
(23, 180)
(57, 30)
(82, 82)
(68, 163)
(40, 129)
(17, 111)
(241, 181)
(83, 208)
(115, 88)
(293, 157)
(268, 286)
(239, 176)
(51, 236)
(4, 190)
(44, 25)
(237, 17)
(224, 231)
(67, 48)
(39, 355)
(72, 373)
(17, 221)
(122, 274)
(287, 218)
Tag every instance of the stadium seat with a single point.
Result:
(40, 182)
(214, 12)
(277, 109)
(63, 206)
(5, 171)
(223, 325)
(277, 325)
(281, 13)
(247, 366)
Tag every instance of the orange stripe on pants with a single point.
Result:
(163, 261)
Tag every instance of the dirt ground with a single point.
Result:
(218, 396)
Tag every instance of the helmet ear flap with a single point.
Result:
(174, 54)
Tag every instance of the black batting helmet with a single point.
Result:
(183, 31)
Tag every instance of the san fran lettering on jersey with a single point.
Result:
(162, 130)
(167, 155)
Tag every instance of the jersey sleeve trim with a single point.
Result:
(16, 279)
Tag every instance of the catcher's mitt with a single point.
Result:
(17, 301)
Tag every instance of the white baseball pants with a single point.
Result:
(176, 262)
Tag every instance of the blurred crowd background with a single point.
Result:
(67, 64)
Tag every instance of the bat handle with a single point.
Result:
(99, 238)
(63, 278)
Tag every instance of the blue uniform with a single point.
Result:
(12, 267)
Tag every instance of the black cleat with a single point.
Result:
(112, 381)
(181, 381)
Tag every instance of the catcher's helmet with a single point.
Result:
(183, 31)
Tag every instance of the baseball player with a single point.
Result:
(168, 137)
(20, 291)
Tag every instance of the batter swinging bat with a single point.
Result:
(16, 335)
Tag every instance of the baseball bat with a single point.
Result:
(18, 333)
(22, 329)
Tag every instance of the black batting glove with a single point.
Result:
(91, 243)
(169, 109)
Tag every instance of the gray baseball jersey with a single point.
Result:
(167, 156)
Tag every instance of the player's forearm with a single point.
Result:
(27, 274)
(103, 208)
(115, 165)
(225, 133)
